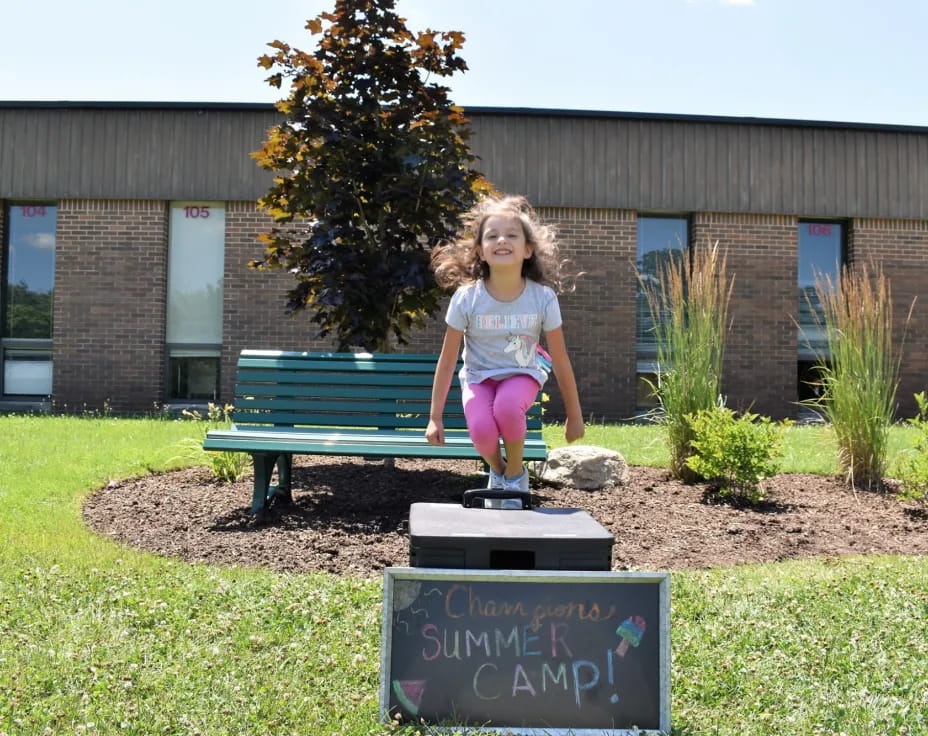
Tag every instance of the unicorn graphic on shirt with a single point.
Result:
(524, 348)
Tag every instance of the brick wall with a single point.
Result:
(253, 315)
(900, 248)
(599, 316)
(110, 288)
(254, 302)
(761, 349)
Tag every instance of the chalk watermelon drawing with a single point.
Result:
(409, 693)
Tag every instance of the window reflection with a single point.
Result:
(193, 377)
(195, 272)
(30, 272)
(820, 245)
(194, 308)
(820, 260)
(27, 293)
(661, 240)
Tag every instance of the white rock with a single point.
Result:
(585, 467)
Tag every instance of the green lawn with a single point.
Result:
(99, 639)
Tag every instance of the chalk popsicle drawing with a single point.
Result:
(409, 693)
(630, 631)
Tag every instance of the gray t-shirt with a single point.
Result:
(500, 338)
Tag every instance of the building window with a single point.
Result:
(26, 300)
(821, 255)
(660, 240)
(194, 306)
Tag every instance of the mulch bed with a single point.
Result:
(349, 517)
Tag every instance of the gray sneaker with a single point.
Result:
(519, 483)
(496, 480)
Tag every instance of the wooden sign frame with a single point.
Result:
(582, 651)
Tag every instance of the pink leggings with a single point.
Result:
(495, 409)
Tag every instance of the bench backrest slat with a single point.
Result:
(378, 421)
(389, 391)
(327, 377)
(343, 392)
(375, 406)
(335, 363)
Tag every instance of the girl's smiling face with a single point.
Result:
(503, 242)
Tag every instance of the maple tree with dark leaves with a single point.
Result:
(372, 169)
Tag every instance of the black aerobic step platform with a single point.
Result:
(450, 535)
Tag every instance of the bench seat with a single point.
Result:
(341, 404)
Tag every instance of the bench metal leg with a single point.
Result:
(264, 468)
(264, 492)
(282, 492)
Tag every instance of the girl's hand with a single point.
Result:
(435, 432)
(573, 429)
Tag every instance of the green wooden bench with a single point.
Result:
(361, 405)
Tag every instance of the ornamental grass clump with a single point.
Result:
(859, 377)
(689, 308)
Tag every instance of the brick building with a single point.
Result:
(127, 229)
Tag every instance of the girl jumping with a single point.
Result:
(505, 268)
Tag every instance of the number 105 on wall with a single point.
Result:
(196, 211)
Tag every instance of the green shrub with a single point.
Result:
(912, 468)
(227, 466)
(736, 452)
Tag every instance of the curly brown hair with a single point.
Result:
(458, 262)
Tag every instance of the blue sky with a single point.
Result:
(839, 60)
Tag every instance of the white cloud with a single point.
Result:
(41, 241)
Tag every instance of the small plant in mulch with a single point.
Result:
(226, 466)
(912, 468)
(735, 453)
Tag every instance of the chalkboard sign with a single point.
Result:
(527, 652)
